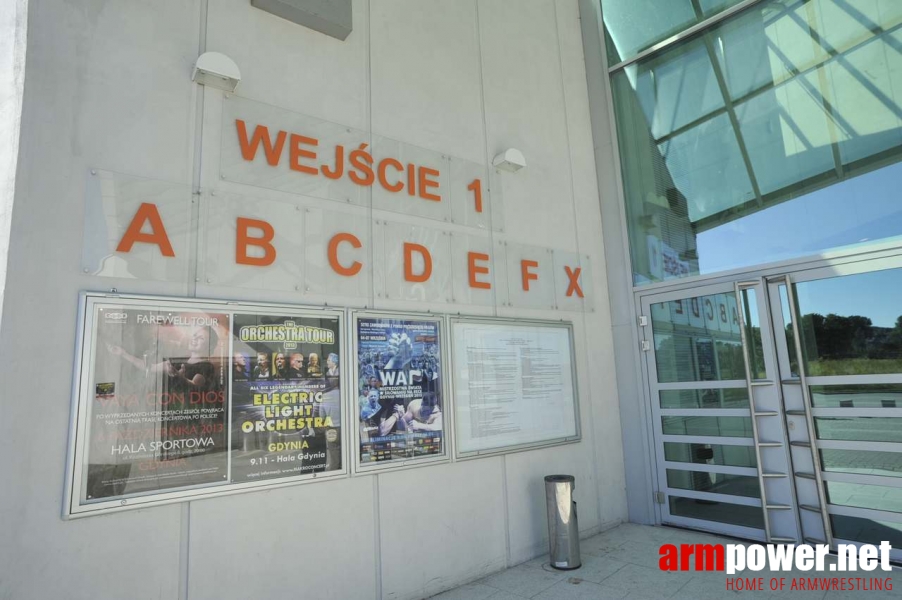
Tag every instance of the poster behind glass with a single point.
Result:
(158, 394)
(399, 387)
(286, 396)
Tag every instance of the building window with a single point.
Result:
(773, 134)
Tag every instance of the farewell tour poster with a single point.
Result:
(159, 389)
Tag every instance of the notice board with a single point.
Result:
(514, 385)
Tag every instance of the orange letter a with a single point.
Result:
(147, 212)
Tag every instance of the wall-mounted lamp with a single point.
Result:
(216, 70)
(511, 160)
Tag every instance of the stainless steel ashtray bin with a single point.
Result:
(563, 528)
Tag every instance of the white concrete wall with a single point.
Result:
(107, 86)
(13, 21)
(634, 420)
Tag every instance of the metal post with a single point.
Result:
(563, 529)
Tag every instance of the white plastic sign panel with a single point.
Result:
(411, 180)
(252, 243)
(473, 277)
(471, 201)
(416, 263)
(572, 281)
(514, 385)
(339, 253)
(530, 276)
(269, 147)
(136, 228)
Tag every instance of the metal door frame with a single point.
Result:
(771, 278)
(657, 437)
(779, 320)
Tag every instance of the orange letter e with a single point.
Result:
(473, 269)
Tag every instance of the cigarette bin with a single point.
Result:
(563, 529)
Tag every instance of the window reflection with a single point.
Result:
(729, 398)
(634, 25)
(722, 512)
(852, 325)
(785, 114)
(861, 495)
(864, 462)
(881, 395)
(710, 454)
(714, 483)
(866, 531)
(865, 429)
(698, 339)
(708, 426)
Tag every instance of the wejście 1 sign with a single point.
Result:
(254, 237)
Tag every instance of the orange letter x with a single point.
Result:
(573, 286)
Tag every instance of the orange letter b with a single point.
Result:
(243, 240)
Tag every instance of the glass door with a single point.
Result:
(843, 399)
(720, 440)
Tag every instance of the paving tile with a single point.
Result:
(597, 568)
(709, 587)
(645, 582)
(540, 562)
(683, 536)
(599, 545)
(623, 563)
(502, 595)
(471, 591)
(896, 592)
(594, 568)
(574, 588)
(523, 581)
(630, 532)
(644, 553)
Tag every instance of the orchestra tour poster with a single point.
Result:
(286, 396)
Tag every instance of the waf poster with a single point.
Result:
(159, 386)
(399, 389)
(286, 396)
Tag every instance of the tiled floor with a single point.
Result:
(623, 563)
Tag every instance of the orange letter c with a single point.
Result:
(333, 254)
